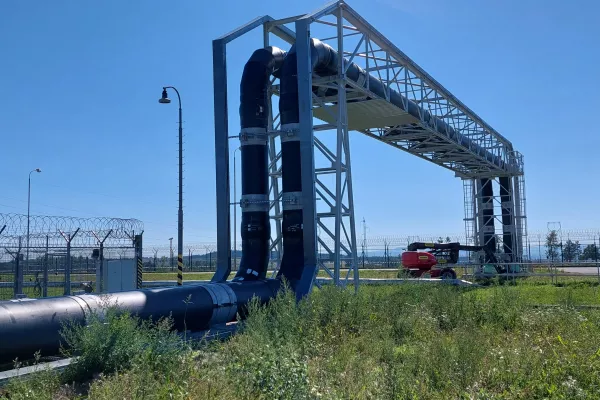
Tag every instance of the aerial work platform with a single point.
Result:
(352, 78)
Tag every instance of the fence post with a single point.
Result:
(18, 288)
(68, 265)
(100, 284)
(67, 290)
(139, 260)
(100, 263)
(45, 284)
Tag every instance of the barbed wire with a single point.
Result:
(53, 231)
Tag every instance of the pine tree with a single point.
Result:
(571, 250)
(552, 246)
(590, 252)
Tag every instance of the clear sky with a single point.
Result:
(80, 83)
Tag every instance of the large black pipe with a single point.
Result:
(254, 113)
(507, 217)
(324, 61)
(487, 197)
(30, 325)
(355, 73)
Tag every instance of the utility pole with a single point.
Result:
(165, 100)
(28, 207)
(171, 253)
(235, 205)
(364, 245)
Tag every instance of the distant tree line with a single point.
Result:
(569, 251)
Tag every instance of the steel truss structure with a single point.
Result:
(392, 100)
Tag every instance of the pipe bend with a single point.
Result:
(255, 224)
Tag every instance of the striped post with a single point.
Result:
(179, 269)
(140, 266)
(140, 262)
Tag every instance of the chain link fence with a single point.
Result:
(384, 251)
(43, 256)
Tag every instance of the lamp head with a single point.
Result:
(37, 170)
(164, 99)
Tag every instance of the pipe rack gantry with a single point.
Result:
(365, 84)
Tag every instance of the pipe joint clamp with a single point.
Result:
(290, 133)
(254, 203)
(253, 136)
(291, 201)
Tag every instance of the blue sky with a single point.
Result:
(80, 83)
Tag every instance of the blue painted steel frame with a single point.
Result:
(307, 157)
(223, 197)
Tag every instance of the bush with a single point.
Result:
(116, 342)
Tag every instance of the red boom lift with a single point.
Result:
(437, 262)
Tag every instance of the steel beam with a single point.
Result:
(274, 172)
(280, 31)
(307, 156)
(222, 159)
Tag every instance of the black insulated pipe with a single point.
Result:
(489, 235)
(324, 61)
(360, 76)
(507, 217)
(255, 226)
(31, 325)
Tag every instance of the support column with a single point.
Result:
(277, 242)
(487, 200)
(508, 222)
(470, 206)
(519, 217)
(307, 157)
(221, 162)
(479, 212)
(342, 130)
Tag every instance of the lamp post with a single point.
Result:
(235, 201)
(28, 208)
(165, 100)
(171, 253)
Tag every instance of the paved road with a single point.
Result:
(581, 270)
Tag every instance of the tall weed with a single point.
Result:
(404, 342)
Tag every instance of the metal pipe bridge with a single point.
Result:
(352, 78)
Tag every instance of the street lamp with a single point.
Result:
(235, 201)
(171, 253)
(28, 208)
(165, 100)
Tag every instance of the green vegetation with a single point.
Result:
(192, 276)
(401, 342)
(567, 294)
(172, 276)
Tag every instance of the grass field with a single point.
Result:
(159, 276)
(393, 342)
(584, 288)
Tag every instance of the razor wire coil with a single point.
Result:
(55, 230)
